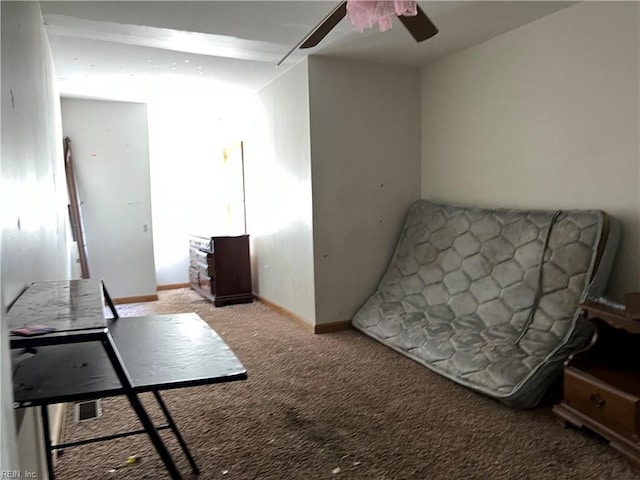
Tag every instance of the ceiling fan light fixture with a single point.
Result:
(366, 13)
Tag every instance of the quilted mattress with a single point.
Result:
(469, 295)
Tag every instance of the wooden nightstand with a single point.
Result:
(602, 382)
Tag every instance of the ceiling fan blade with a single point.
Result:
(325, 26)
(419, 26)
(320, 31)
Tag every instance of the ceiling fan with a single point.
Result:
(418, 24)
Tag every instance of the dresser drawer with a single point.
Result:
(197, 257)
(201, 243)
(205, 281)
(199, 278)
(611, 407)
(193, 276)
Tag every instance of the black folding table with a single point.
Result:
(138, 354)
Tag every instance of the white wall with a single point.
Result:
(110, 147)
(545, 116)
(279, 208)
(365, 157)
(33, 196)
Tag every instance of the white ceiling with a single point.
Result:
(128, 50)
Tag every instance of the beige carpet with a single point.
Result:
(332, 406)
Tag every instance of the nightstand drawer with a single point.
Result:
(613, 408)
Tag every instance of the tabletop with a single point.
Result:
(65, 305)
(159, 352)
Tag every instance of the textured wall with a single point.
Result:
(33, 196)
(545, 116)
(278, 176)
(365, 157)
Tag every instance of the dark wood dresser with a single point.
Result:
(602, 383)
(220, 270)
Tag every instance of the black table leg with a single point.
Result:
(148, 425)
(176, 432)
(107, 297)
(47, 440)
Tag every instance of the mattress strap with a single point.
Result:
(538, 294)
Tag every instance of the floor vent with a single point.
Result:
(88, 410)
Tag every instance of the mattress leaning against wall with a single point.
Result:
(463, 294)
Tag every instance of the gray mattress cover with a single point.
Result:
(462, 282)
